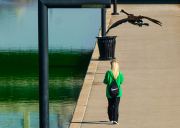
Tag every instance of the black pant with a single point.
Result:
(113, 108)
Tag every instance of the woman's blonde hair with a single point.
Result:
(115, 68)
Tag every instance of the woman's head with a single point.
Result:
(114, 64)
(115, 67)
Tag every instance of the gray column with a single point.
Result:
(115, 8)
(43, 65)
(103, 22)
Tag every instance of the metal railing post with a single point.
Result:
(115, 7)
(43, 65)
(103, 22)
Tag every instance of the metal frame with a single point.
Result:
(43, 6)
(76, 3)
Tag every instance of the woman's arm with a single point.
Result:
(121, 77)
(105, 81)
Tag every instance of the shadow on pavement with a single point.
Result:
(94, 122)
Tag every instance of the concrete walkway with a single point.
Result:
(150, 60)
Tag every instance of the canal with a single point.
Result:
(72, 35)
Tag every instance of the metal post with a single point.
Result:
(43, 65)
(115, 8)
(103, 22)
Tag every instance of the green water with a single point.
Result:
(19, 87)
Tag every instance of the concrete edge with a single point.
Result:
(87, 85)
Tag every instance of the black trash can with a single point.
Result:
(106, 47)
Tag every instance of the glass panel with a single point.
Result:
(72, 35)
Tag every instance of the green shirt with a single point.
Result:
(108, 80)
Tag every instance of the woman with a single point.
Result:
(113, 102)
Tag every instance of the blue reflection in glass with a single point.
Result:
(68, 28)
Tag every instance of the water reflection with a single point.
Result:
(19, 98)
(68, 28)
(19, 87)
(72, 35)
(28, 117)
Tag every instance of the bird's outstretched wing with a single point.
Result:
(117, 23)
(152, 20)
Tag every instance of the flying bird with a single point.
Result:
(135, 20)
